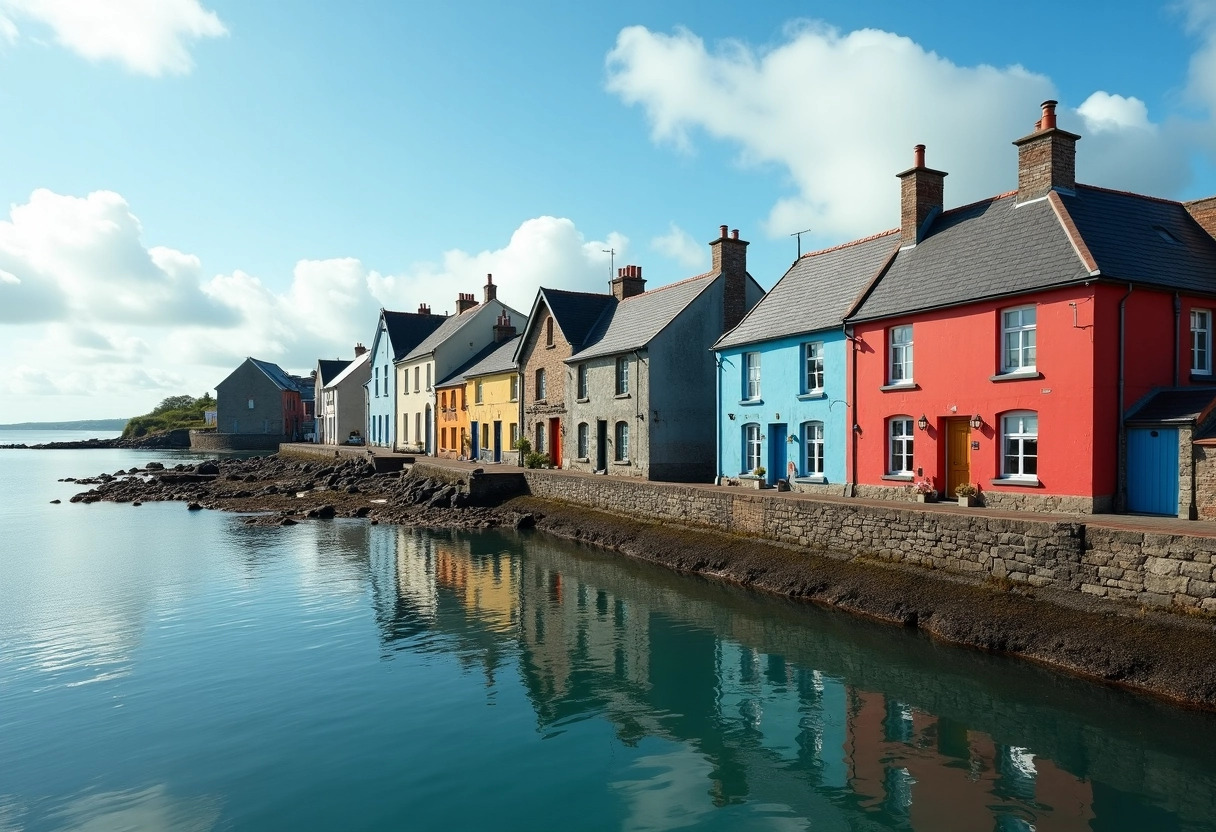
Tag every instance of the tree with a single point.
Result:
(174, 403)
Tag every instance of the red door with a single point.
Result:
(555, 442)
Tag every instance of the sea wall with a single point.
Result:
(210, 440)
(1138, 566)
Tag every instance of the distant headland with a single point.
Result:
(82, 424)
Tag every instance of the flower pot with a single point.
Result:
(926, 498)
(966, 501)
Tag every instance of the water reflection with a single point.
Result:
(806, 717)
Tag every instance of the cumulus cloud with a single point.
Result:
(149, 37)
(93, 317)
(680, 246)
(841, 111)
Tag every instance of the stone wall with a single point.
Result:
(482, 487)
(1143, 567)
(1011, 500)
(210, 440)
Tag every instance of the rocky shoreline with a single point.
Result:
(1153, 651)
(156, 442)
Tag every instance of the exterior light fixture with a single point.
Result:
(730, 416)
(923, 422)
(977, 422)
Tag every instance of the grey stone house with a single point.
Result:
(260, 405)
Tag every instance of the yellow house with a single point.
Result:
(492, 393)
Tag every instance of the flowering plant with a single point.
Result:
(923, 487)
(967, 490)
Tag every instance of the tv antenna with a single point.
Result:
(611, 252)
(799, 234)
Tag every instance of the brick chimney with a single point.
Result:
(491, 291)
(730, 260)
(503, 329)
(464, 302)
(359, 350)
(1204, 212)
(921, 197)
(424, 309)
(1047, 158)
(628, 282)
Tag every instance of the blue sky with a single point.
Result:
(193, 181)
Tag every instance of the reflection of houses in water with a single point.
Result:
(486, 586)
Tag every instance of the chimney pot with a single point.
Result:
(1047, 158)
(921, 195)
(734, 234)
(722, 232)
(1048, 121)
(359, 350)
(918, 156)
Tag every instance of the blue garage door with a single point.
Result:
(1152, 470)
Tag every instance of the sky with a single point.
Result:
(190, 182)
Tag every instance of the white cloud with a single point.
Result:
(680, 246)
(150, 37)
(841, 112)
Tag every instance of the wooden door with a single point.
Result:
(958, 454)
(555, 442)
(1152, 471)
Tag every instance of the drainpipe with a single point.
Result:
(1120, 462)
(851, 412)
(1177, 333)
(718, 419)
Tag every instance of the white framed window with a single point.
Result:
(416, 372)
(384, 376)
(1201, 341)
(752, 449)
(513, 432)
(540, 384)
(428, 377)
(1020, 445)
(418, 428)
(584, 440)
(900, 354)
(1018, 339)
(376, 380)
(813, 357)
(514, 388)
(751, 375)
(405, 427)
(622, 375)
(251, 404)
(477, 391)
(812, 439)
(622, 441)
(582, 381)
(539, 445)
(899, 443)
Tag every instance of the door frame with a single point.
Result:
(497, 437)
(555, 441)
(601, 445)
(963, 422)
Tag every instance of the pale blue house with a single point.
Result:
(396, 334)
(782, 382)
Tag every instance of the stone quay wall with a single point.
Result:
(1136, 566)
(210, 440)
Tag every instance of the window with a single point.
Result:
(582, 381)
(514, 388)
(901, 355)
(1021, 445)
(548, 332)
(416, 379)
(443, 400)
(751, 375)
(813, 381)
(622, 441)
(812, 435)
(485, 435)
(251, 404)
(514, 433)
(405, 428)
(540, 438)
(428, 376)
(622, 375)
(751, 447)
(540, 384)
(1017, 328)
(901, 445)
(583, 440)
(384, 376)
(376, 378)
(417, 426)
(1201, 341)
(477, 392)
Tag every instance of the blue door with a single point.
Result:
(1152, 470)
(776, 453)
(497, 441)
(475, 448)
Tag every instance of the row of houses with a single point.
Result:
(1050, 347)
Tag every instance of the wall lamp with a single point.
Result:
(977, 422)
(923, 422)
(730, 416)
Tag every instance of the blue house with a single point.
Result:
(396, 334)
(782, 382)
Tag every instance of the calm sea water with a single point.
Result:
(168, 670)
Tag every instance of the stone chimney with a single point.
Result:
(503, 329)
(491, 291)
(359, 350)
(1047, 158)
(464, 302)
(921, 197)
(1204, 212)
(628, 282)
(730, 260)
(424, 309)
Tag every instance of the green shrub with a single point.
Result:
(536, 460)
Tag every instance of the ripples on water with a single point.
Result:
(166, 670)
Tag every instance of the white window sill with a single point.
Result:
(1200, 376)
(899, 385)
(582, 459)
(583, 400)
(750, 402)
(818, 480)
(622, 396)
(811, 396)
(1017, 482)
(1016, 375)
(621, 462)
(897, 477)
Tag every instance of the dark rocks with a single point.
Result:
(194, 507)
(207, 468)
(55, 502)
(325, 512)
(155, 466)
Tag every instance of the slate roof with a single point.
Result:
(635, 321)
(1176, 404)
(816, 292)
(461, 373)
(281, 379)
(576, 313)
(350, 369)
(451, 325)
(406, 330)
(501, 359)
(328, 368)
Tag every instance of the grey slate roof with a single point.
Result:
(450, 326)
(1124, 233)
(328, 368)
(501, 359)
(987, 249)
(1177, 404)
(816, 292)
(350, 369)
(576, 313)
(634, 321)
(465, 370)
(281, 379)
(406, 330)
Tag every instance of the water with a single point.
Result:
(171, 670)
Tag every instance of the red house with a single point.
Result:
(1051, 345)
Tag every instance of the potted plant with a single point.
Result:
(967, 494)
(758, 472)
(925, 492)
